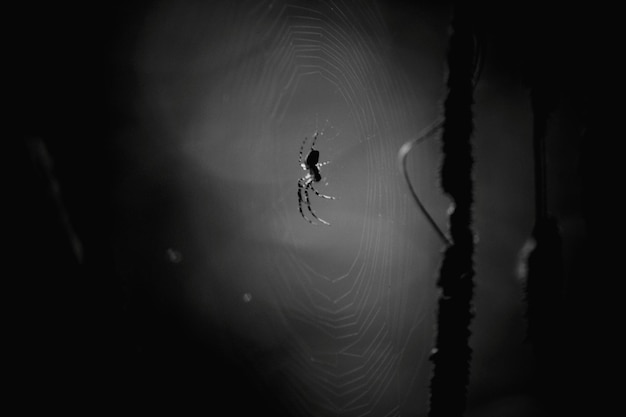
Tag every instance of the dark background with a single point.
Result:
(80, 338)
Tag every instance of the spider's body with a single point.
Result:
(312, 167)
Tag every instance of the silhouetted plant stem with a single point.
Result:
(545, 274)
(545, 269)
(452, 354)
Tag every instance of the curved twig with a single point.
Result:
(402, 154)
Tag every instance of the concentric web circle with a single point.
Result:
(345, 292)
(351, 304)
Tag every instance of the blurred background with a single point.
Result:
(160, 258)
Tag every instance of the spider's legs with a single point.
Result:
(314, 139)
(301, 150)
(309, 184)
(301, 189)
(318, 194)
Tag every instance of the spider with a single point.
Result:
(312, 167)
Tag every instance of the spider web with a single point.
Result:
(339, 319)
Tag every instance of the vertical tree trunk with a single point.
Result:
(452, 354)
